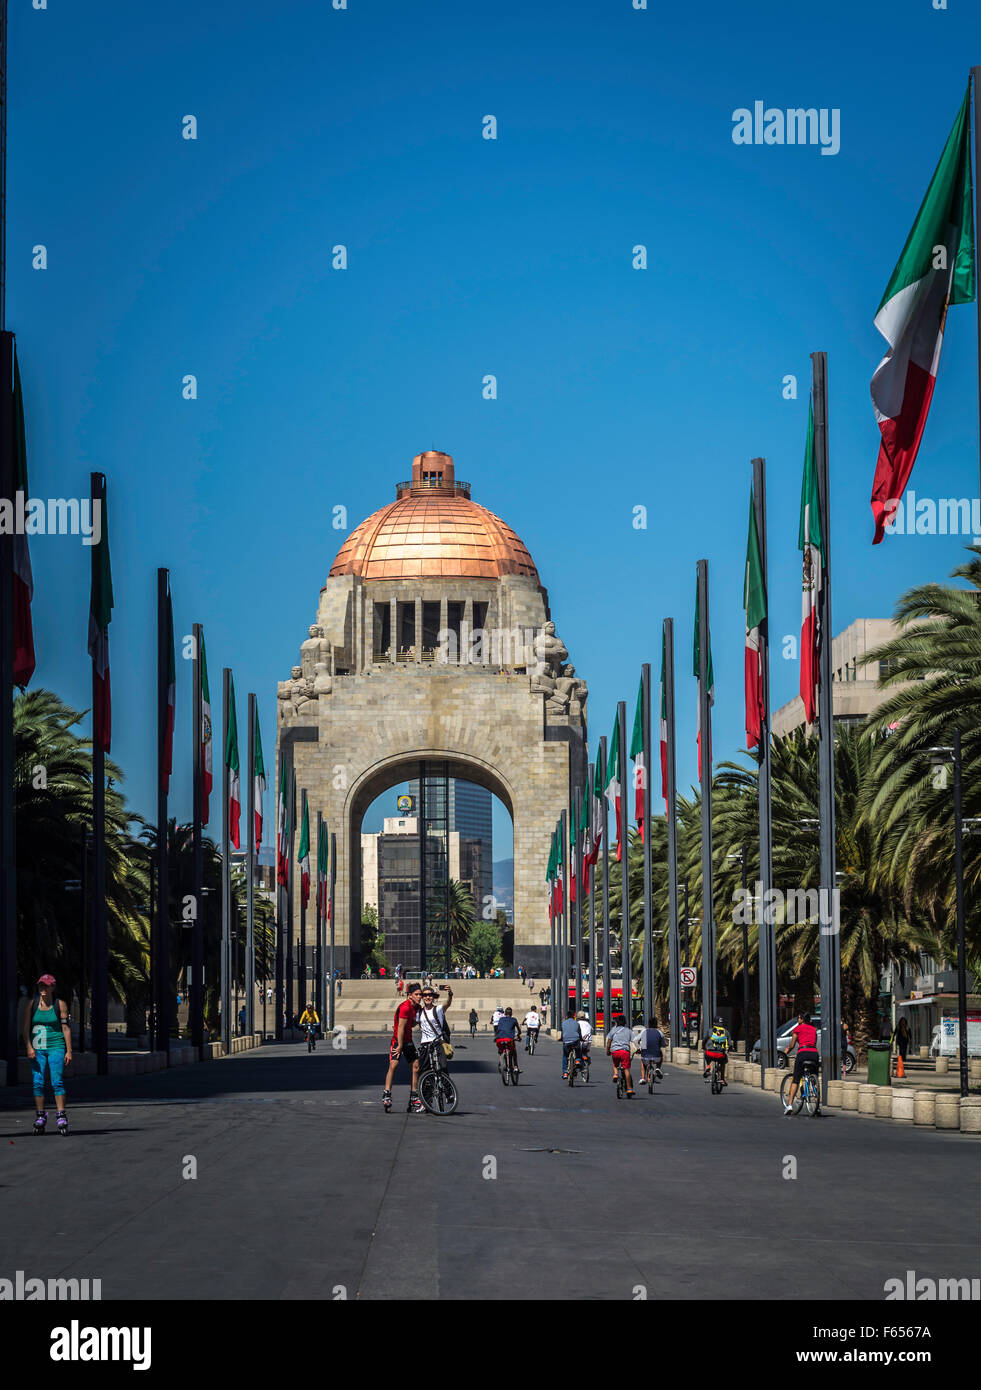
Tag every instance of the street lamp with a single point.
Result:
(939, 758)
(740, 854)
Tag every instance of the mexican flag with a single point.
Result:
(321, 872)
(100, 612)
(754, 604)
(303, 855)
(167, 759)
(559, 864)
(585, 841)
(207, 774)
(935, 270)
(710, 680)
(664, 719)
(573, 857)
(637, 758)
(24, 658)
(231, 762)
(282, 830)
(550, 879)
(811, 541)
(258, 787)
(613, 779)
(598, 815)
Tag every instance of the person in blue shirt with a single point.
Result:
(506, 1033)
(571, 1042)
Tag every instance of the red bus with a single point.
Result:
(616, 999)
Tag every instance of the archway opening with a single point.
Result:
(431, 857)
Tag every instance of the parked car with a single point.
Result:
(785, 1040)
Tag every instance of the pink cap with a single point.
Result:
(46, 980)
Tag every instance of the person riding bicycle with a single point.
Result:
(506, 1033)
(309, 1019)
(718, 1045)
(571, 1043)
(533, 1026)
(618, 1042)
(805, 1039)
(651, 1050)
(585, 1028)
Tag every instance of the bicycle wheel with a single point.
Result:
(585, 1070)
(570, 1064)
(513, 1065)
(505, 1071)
(531, 1046)
(809, 1091)
(437, 1092)
(785, 1086)
(621, 1084)
(650, 1080)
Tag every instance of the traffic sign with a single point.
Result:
(688, 976)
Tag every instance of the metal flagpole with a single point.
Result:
(575, 923)
(830, 954)
(330, 918)
(551, 931)
(196, 1001)
(671, 809)
(162, 953)
(705, 722)
(226, 871)
(301, 982)
(100, 924)
(290, 943)
(766, 947)
(645, 719)
(250, 875)
(8, 865)
(976, 74)
(280, 901)
(321, 893)
(625, 965)
(606, 893)
(562, 992)
(591, 784)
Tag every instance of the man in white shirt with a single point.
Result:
(497, 1016)
(431, 1019)
(533, 1022)
(586, 1030)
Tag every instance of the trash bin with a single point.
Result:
(880, 1070)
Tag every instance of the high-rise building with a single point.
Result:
(469, 813)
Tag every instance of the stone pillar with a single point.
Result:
(773, 1077)
(947, 1112)
(418, 638)
(883, 1103)
(467, 635)
(902, 1106)
(444, 614)
(393, 628)
(941, 1065)
(866, 1099)
(971, 1114)
(924, 1107)
(835, 1092)
(849, 1095)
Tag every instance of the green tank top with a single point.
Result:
(46, 1034)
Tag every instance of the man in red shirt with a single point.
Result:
(406, 1017)
(806, 1041)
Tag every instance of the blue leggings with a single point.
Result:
(55, 1063)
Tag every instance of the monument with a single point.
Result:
(432, 655)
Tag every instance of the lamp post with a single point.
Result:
(939, 758)
(740, 854)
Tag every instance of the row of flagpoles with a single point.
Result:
(324, 886)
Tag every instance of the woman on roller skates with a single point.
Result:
(48, 1035)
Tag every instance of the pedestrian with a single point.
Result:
(242, 1015)
(531, 986)
(406, 1018)
(48, 1039)
(541, 996)
(901, 1038)
(339, 982)
(474, 1020)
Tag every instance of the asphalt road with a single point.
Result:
(304, 1188)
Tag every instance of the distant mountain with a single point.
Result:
(503, 883)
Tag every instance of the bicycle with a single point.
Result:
(808, 1097)
(653, 1074)
(718, 1081)
(436, 1089)
(311, 1033)
(507, 1065)
(621, 1082)
(532, 1040)
(575, 1065)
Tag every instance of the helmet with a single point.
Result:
(719, 1023)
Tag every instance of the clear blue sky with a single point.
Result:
(617, 387)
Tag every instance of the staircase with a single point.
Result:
(368, 1006)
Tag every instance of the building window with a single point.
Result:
(382, 632)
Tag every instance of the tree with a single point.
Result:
(372, 938)
(483, 945)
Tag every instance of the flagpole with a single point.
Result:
(645, 722)
(8, 864)
(705, 722)
(290, 945)
(766, 952)
(161, 956)
(301, 981)
(100, 926)
(280, 898)
(672, 812)
(250, 876)
(196, 1001)
(575, 918)
(562, 990)
(625, 963)
(591, 784)
(830, 953)
(607, 993)
(226, 876)
(976, 73)
(332, 878)
(319, 990)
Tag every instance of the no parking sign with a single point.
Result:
(688, 976)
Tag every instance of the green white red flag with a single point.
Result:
(710, 681)
(754, 604)
(585, 842)
(303, 855)
(207, 739)
(936, 269)
(811, 542)
(550, 878)
(322, 855)
(637, 759)
(597, 815)
(613, 790)
(573, 856)
(100, 613)
(24, 656)
(282, 831)
(559, 865)
(231, 762)
(167, 760)
(258, 786)
(664, 718)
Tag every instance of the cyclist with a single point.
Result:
(651, 1050)
(717, 1047)
(805, 1039)
(473, 1021)
(309, 1020)
(533, 1024)
(585, 1028)
(406, 1017)
(496, 1016)
(506, 1033)
(431, 1020)
(618, 1042)
(571, 1043)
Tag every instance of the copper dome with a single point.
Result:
(431, 531)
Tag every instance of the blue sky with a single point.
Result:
(617, 387)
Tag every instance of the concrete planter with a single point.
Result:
(681, 1056)
(924, 1107)
(772, 1078)
(836, 1093)
(974, 1069)
(971, 1114)
(883, 1103)
(925, 1053)
(849, 1095)
(947, 1113)
(942, 1065)
(866, 1099)
(902, 1106)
